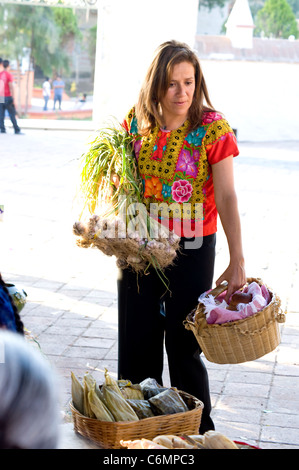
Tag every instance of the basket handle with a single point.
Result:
(218, 290)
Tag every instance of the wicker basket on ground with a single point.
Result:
(238, 341)
(109, 434)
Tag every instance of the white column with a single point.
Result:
(128, 33)
(240, 26)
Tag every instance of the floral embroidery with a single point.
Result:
(166, 191)
(137, 147)
(160, 146)
(164, 168)
(195, 137)
(134, 127)
(209, 117)
(181, 191)
(186, 163)
(153, 188)
(196, 155)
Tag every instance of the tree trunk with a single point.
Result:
(28, 74)
(18, 98)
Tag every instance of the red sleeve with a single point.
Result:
(220, 141)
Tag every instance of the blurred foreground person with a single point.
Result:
(29, 416)
(9, 316)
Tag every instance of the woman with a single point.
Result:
(185, 153)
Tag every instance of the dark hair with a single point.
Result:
(18, 321)
(5, 63)
(1, 60)
(157, 81)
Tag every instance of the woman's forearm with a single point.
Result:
(227, 207)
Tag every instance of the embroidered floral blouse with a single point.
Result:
(175, 167)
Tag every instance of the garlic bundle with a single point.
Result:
(119, 224)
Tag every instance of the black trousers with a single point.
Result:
(148, 313)
(8, 104)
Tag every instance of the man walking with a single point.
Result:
(7, 98)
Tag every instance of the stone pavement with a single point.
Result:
(72, 310)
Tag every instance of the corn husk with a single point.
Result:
(77, 393)
(141, 444)
(131, 391)
(168, 402)
(99, 408)
(87, 408)
(111, 382)
(142, 408)
(117, 405)
(108, 218)
(150, 387)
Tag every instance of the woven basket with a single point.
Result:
(237, 341)
(109, 434)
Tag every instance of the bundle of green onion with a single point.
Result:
(111, 155)
(119, 223)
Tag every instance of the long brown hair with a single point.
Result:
(156, 83)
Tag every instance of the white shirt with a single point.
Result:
(46, 88)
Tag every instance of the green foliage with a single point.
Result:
(276, 19)
(91, 46)
(211, 3)
(41, 29)
(67, 22)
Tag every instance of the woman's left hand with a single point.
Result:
(235, 276)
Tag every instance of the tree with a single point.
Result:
(210, 4)
(42, 30)
(92, 44)
(276, 19)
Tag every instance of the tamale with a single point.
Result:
(168, 402)
(87, 408)
(132, 392)
(89, 384)
(142, 408)
(122, 383)
(99, 408)
(150, 388)
(89, 379)
(77, 394)
(111, 382)
(117, 405)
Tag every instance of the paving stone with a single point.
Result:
(94, 342)
(283, 435)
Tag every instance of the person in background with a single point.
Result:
(185, 151)
(58, 87)
(46, 92)
(29, 415)
(9, 316)
(7, 100)
(81, 101)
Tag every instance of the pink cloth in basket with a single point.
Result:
(216, 312)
